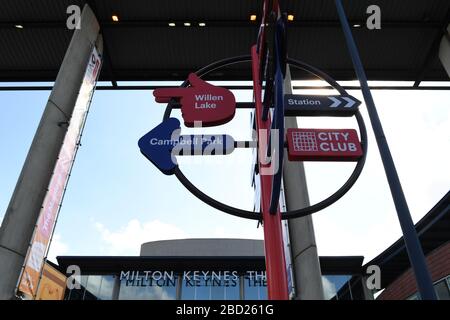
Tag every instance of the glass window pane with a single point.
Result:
(232, 289)
(210, 287)
(255, 286)
(106, 288)
(187, 290)
(78, 294)
(148, 289)
(203, 292)
(92, 287)
(336, 287)
(84, 280)
(442, 290)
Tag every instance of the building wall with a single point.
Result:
(204, 248)
(404, 286)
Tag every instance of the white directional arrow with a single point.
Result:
(320, 105)
(336, 102)
(350, 102)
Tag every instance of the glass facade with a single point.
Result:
(93, 287)
(211, 288)
(332, 284)
(148, 288)
(255, 287)
(249, 286)
(343, 287)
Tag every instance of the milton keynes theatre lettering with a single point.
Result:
(195, 278)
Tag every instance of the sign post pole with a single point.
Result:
(273, 238)
(415, 253)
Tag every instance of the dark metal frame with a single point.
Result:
(230, 87)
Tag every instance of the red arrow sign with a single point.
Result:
(201, 102)
(323, 145)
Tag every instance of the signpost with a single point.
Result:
(323, 145)
(315, 105)
(201, 102)
(211, 105)
(164, 142)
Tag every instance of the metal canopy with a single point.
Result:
(142, 45)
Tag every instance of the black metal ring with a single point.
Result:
(288, 214)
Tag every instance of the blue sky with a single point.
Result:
(117, 199)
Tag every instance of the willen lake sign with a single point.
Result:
(201, 102)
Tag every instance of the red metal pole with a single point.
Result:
(273, 238)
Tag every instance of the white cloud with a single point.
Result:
(127, 240)
(57, 248)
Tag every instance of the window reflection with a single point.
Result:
(148, 289)
(210, 288)
(336, 287)
(255, 286)
(106, 288)
(78, 294)
(442, 290)
(93, 287)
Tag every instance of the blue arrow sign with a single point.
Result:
(164, 142)
(157, 145)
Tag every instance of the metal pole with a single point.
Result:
(415, 253)
(273, 238)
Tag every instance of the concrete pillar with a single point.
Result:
(444, 51)
(307, 274)
(21, 216)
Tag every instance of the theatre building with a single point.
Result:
(233, 269)
(197, 269)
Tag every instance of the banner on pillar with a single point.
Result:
(52, 285)
(37, 252)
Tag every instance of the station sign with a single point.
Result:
(201, 102)
(323, 145)
(317, 105)
(164, 142)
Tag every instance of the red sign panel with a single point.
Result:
(201, 102)
(323, 145)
